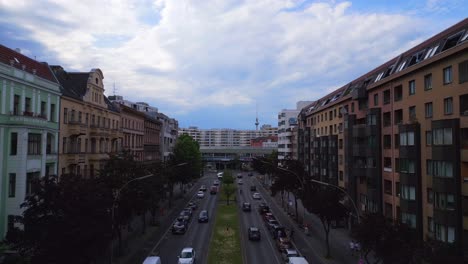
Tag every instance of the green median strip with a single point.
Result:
(225, 247)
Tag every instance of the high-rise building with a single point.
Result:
(396, 138)
(287, 120)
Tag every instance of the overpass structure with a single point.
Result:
(221, 156)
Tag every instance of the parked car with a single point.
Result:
(253, 188)
(189, 210)
(203, 216)
(240, 182)
(289, 253)
(203, 188)
(200, 194)
(263, 208)
(271, 223)
(179, 226)
(256, 196)
(254, 233)
(267, 216)
(246, 207)
(213, 189)
(187, 256)
(250, 174)
(216, 182)
(278, 231)
(152, 260)
(185, 215)
(283, 243)
(193, 206)
(239, 175)
(297, 260)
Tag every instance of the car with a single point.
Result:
(254, 233)
(189, 210)
(278, 231)
(246, 207)
(152, 260)
(239, 175)
(253, 188)
(267, 216)
(271, 223)
(263, 208)
(185, 215)
(220, 175)
(289, 253)
(256, 196)
(203, 216)
(297, 260)
(200, 194)
(216, 182)
(187, 256)
(240, 182)
(283, 243)
(179, 226)
(250, 174)
(203, 188)
(193, 206)
(213, 189)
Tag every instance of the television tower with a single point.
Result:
(256, 119)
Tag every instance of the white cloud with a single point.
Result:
(189, 54)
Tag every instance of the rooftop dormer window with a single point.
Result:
(97, 81)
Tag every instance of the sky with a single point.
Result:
(217, 63)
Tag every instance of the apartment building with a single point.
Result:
(402, 134)
(133, 128)
(226, 137)
(287, 120)
(29, 130)
(90, 126)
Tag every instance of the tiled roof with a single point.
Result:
(72, 84)
(19, 61)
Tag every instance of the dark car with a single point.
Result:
(193, 206)
(203, 216)
(254, 233)
(239, 175)
(179, 226)
(246, 207)
(213, 189)
(271, 223)
(250, 174)
(283, 243)
(186, 215)
(263, 208)
(278, 231)
(253, 188)
(203, 188)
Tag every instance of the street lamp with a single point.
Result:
(116, 198)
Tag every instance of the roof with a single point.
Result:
(187, 249)
(72, 84)
(21, 62)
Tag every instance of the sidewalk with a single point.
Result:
(339, 238)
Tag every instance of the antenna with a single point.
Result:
(114, 89)
(256, 119)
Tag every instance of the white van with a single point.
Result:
(220, 175)
(297, 260)
(152, 260)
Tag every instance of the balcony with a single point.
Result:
(75, 128)
(98, 156)
(98, 131)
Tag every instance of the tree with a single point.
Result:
(324, 202)
(187, 150)
(61, 217)
(378, 234)
(228, 187)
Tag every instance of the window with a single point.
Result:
(14, 144)
(52, 112)
(387, 164)
(376, 99)
(27, 108)
(64, 145)
(430, 224)
(340, 143)
(428, 138)
(463, 70)
(428, 82)
(428, 109)
(429, 167)
(352, 107)
(398, 116)
(444, 201)
(387, 141)
(371, 120)
(440, 168)
(398, 93)
(448, 106)
(43, 109)
(34, 144)
(30, 178)
(16, 105)
(397, 189)
(341, 175)
(407, 165)
(408, 192)
(12, 185)
(447, 75)
(412, 87)
(442, 136)
(387, 120)
(430, 196)
(412, 112)
(79, 117)
(397, 141)
(65, 115)
(407, 138)
(388, 187)
(386, 97)
(409, 219)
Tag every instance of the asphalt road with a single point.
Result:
(197, 236)
(265, 250)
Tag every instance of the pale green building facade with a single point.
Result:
(29, 130)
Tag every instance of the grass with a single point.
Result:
(225, 247)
